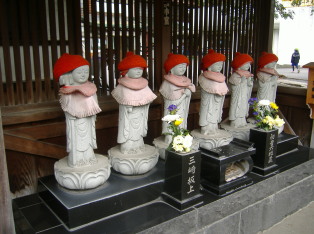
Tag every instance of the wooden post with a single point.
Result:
(310, 96)
(6, 214)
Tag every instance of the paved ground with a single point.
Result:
(301, 222)
(293, 78)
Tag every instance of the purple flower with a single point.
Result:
(252, 101)
(255, 113)
(172, 107)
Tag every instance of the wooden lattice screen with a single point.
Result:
(110, 29)
(34, 33)
(227, 26)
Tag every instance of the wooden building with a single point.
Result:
(35, 33)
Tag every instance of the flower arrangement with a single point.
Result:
(181, 138)
(266, 114)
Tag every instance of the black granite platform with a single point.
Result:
(286, 143)
(119, 193)
(147, 210)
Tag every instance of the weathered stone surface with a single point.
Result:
(235, 202)
(271, 210)
(184, 224)
(293, 198)
(230, 224)
(257, 216)
(295, 174)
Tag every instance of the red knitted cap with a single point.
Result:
(67, 63)
(211, 58)
(173, 60)
(240, 59)
(131, 60)
(266, 58)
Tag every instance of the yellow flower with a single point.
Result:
(279, 122)
(187, 150)
(178, 121)
(274, 106)
(177, 147)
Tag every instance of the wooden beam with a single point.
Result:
(31, 146)
(6, 213)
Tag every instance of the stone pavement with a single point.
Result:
(294, 79)
(300, 222)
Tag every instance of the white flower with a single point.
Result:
(264, 103)
(170, 118)
(279, 122)
(177, 147)
(187, 150)
(187, 141)
(178, 140)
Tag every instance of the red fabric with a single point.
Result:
(246, 74)
(67, 63)
(180, 81)
(87, 89)
(269, 71)
(79, 100)
(132, 60)
(211, 58)
(240, 59)
(173, 60)
(215, 76)
(135, 84)
(266, 58)
(126, 94)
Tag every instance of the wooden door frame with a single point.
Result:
(6, 222)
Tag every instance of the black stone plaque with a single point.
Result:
(264, 158)
(182, 179)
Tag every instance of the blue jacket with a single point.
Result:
(295, 58)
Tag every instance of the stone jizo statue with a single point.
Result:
(134, 97)
(82, 168)
(213, 91)
(267, 77)
(132, 156)
(78, 100)
(176, 88)
(241, 84)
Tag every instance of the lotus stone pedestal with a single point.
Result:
(81, 178)
(242, 133)
(217, 139)
(133, 164)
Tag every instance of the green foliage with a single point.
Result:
(280, 10)
(297, 3)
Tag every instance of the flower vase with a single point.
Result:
(182, 179)
(265, 143)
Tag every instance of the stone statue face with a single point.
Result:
(179, 69)
(216, 67)
(245, 66)
(271, 65)
(135, 72)
(80, 75)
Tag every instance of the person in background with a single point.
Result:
(295, 58)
